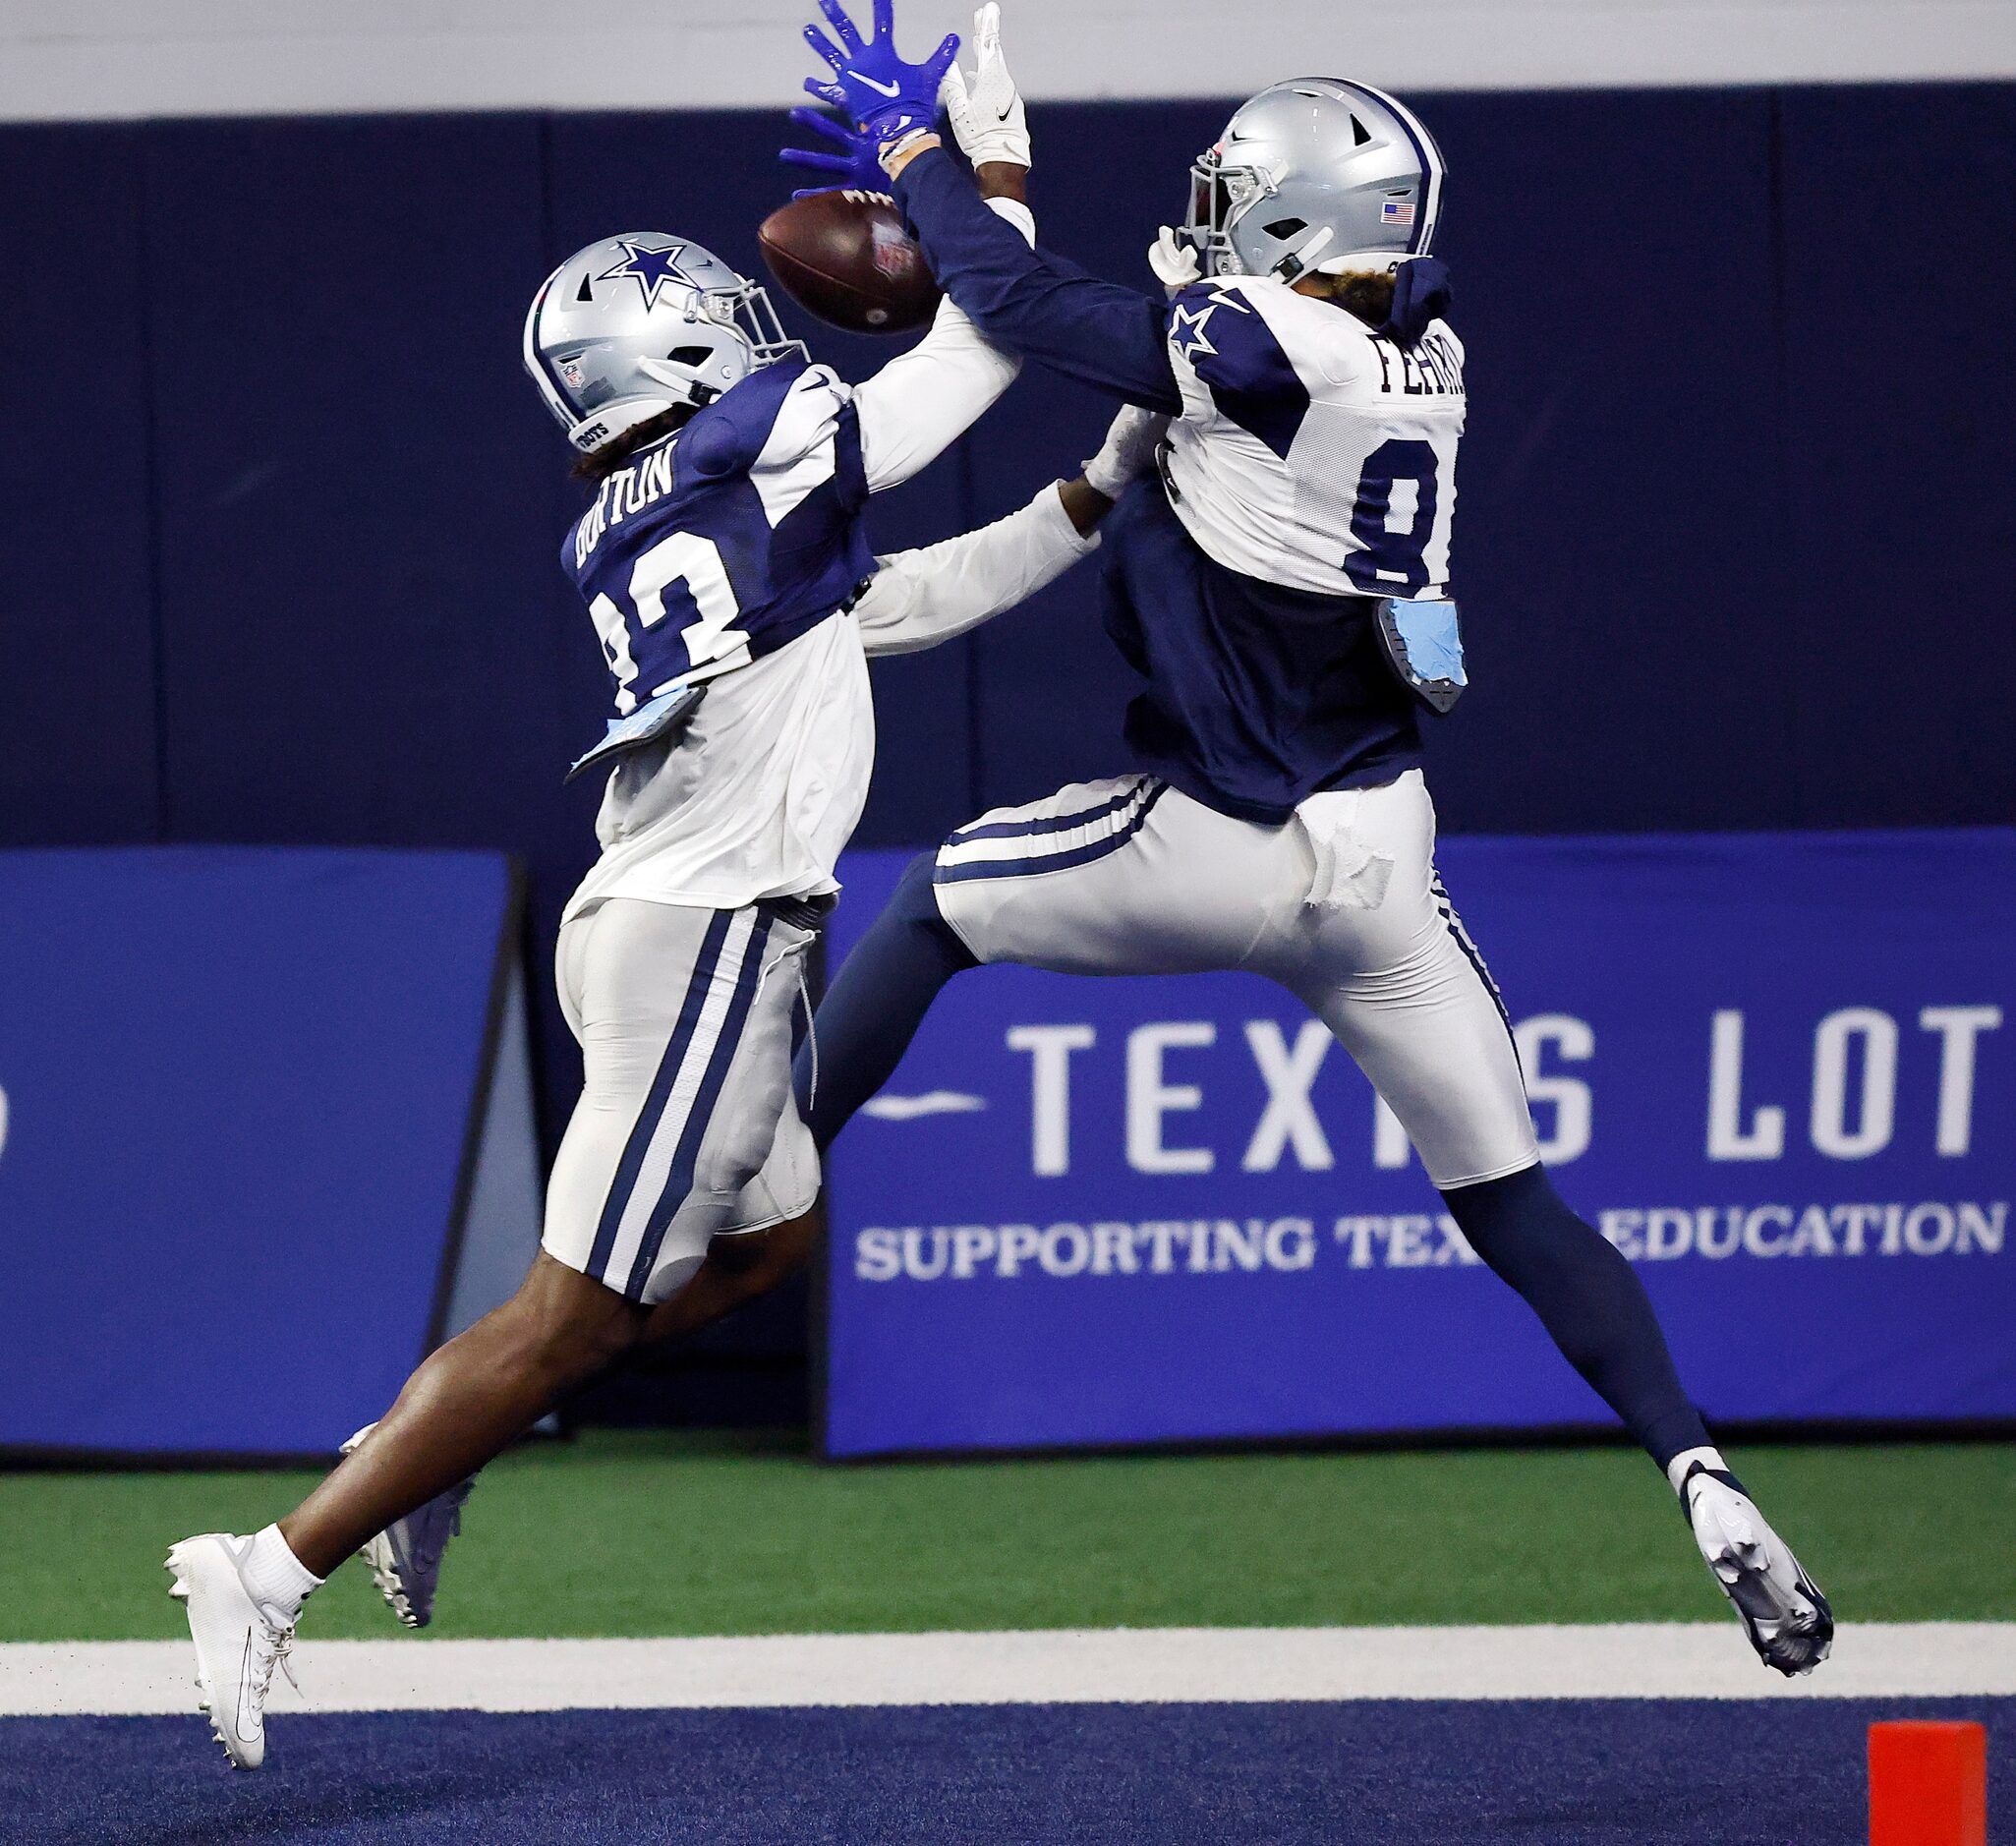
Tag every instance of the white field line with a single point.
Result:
(1152, 1666)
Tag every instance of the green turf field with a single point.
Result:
(677, 1535)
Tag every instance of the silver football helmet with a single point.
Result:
(1317, 173)
(636, 324)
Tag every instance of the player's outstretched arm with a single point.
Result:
(1023, 299)
(1029, 301)
(1107, 335)
(938, 592)
(919, 403)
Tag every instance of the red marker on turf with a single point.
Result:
(1927, 1784)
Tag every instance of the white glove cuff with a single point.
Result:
(1016, 214)
(1003, 145)
(1127, 452)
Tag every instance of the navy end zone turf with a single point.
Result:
(1563, 1772)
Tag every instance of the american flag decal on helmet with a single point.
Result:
(1397, 211)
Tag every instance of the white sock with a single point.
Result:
(1677, 1467)
(275, 1576)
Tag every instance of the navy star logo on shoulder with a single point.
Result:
(653, 270)
(1187, 324)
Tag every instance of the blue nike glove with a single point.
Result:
(886, 97)
(857, 167)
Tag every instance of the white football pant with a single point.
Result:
(1341, 907)
(684, 1020)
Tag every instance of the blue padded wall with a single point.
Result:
(77, 610)
(281, 515)
(1621, 549)
(358, 506)
(1899, 280)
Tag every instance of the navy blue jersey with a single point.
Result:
(1258, 695)
(730, 539)
(1310, 468)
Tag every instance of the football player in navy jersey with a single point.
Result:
(724, 563)
(1280, 588)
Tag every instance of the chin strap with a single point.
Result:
(1420, 294)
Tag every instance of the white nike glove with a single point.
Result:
(1174, 260)
(986, 112)
(1128, 450)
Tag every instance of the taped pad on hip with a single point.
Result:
(1349, 873)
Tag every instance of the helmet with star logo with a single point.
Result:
(641, 323)
(1316, 174)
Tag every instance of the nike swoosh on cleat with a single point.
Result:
(880, 89)
(244, 1688)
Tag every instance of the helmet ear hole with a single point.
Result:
(1284, 227)
(689, 354)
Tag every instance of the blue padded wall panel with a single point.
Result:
(244, 1109)
(1051, 688)
(360, 513)
(1900, 295)
(714, 177)
(1618, 535)
(76, 650)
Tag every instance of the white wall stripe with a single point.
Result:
(115, 58)
(1154, 1666)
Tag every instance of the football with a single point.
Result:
(845, 256)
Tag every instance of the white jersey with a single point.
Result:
(764, 787)
(726, 555)
(1312, 452)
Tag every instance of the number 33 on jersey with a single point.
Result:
(727, 539)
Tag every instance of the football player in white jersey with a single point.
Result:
(1277, 589)
(724, 563)
(1280, 590)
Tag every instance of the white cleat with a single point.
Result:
(405, 1559)
(239, 1641)
(1787, 1619)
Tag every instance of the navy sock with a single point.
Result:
(877, 1002)
(1588, 1298)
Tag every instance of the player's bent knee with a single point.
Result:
(568, 1324)
(758, 1260)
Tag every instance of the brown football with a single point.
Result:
(846, 257)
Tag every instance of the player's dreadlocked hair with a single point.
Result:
(1368, 293)
(597, 467)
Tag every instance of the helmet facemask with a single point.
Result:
(688, 372)
(1219, 195)
(751, 313)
